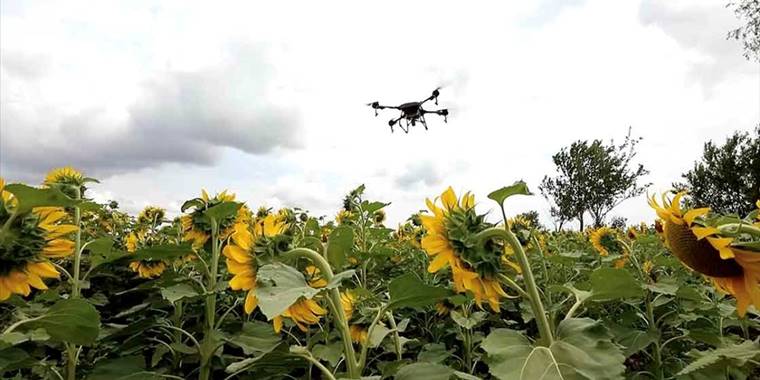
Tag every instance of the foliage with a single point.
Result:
(727, 177)
(749, 33)
(375, 309)
(593, 177)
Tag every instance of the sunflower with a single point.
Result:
(315, 278)
(195, 226)
(443, 308)
(303, 312)
(64, 176)
(151, 215)
(144, 268)
(343, 217)
(605, 240)
(245, 240)
(347, 301)
(359, 333)
(704, 249)
(449, 241)
(33, 239)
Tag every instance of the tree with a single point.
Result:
(593, 178)
(727, 177)
(749, 33)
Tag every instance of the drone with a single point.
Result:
(412, 112)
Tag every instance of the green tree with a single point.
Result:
(727, 177)
(749, 12)
(593, 178)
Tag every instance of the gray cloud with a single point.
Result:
(703, 29)
(419, 172)
(183, 117)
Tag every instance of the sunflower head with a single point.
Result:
(606, 241)
(303, 312)
(196, 226)
(521, 227)
(343, 217)
(379, 217)
(67, 179)
(451, 241)
(699, 243)
(31, 240)
(151, 216)
(272, 235)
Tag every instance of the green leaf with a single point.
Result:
(161, 252)
(179, 291)
(13, 359)
(339, 245)
(409, 291)
(433, 353)
(102, 252)
(427, 371)
(518, 188)
(378, 334)
(340, 277)
(636, 340)
(256, 338)
(279, 287)
(468, 322)
(374, 206)
(720, 359)
(123, 368)
(610, 284)
(582, 350)
(330, 352)
(222, 210)
(29, 197)
(71, 320)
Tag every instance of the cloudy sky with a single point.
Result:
(161, 99)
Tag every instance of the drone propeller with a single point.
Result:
(435, 94)
(375, 106)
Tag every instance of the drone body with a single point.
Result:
(412, 112)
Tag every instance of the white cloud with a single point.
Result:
(521, 79)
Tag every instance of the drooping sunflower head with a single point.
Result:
(144, 268)
(605, 241)
(27, 246)
(151, 216)
(271, 235)
(450, 239)
(67, 179)
(521, 227)
(699, 243)
(343, 217)
(359, 333)
(196, 226)
(303, 312)
(379, 217)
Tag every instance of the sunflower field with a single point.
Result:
(227, 290)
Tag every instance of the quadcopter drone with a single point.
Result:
(412, 112)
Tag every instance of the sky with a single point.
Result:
(267, 99)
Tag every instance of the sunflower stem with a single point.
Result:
(76, 287)
(396, 337)
(205, 369)
(353, 367)
(544, 328)
(735, 228)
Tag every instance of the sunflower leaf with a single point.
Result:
(161, 252)
(409, 291)
(123, 368)
(611, 283)
(428, 371)
(102, 251)
(518, 188)
(339, 244)
(582, 350)
(280, 286)
(222, 210)
(70, 320)
(29, 197)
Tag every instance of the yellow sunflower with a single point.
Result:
(314, 277)
(359, 334)
(25, 253)
(65, 175)
(343, 216)
(145, 269)
(347, 301)
(303, 312)
(151, 215)
(706, 250)
(196, 228)
(448, 241)
(604, 240)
